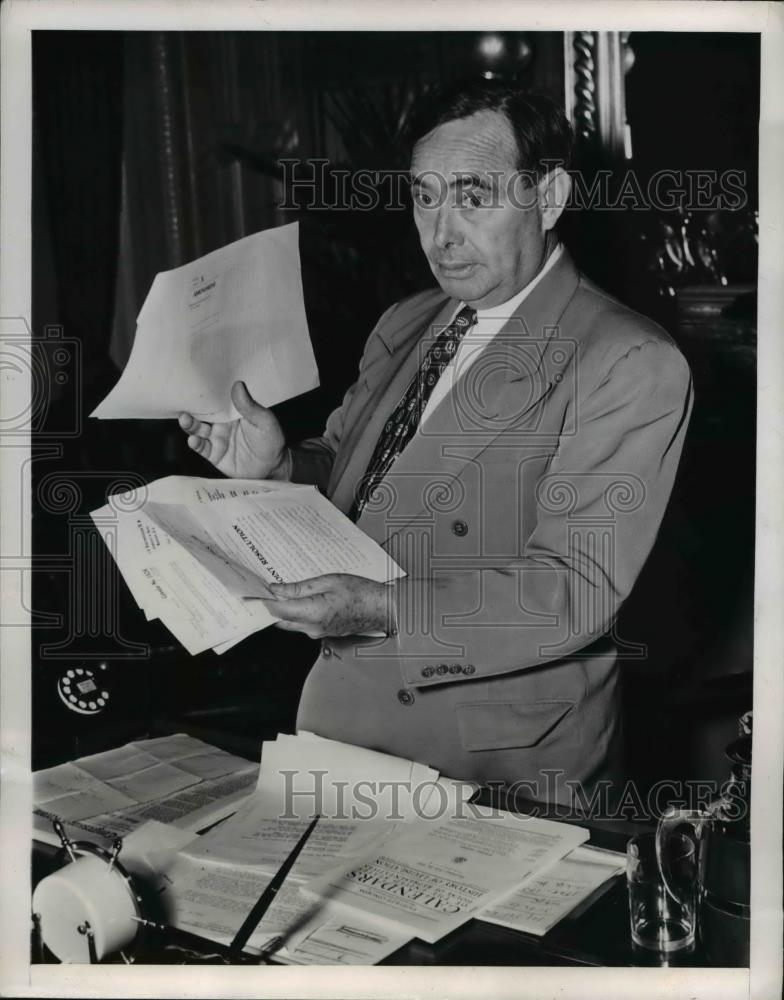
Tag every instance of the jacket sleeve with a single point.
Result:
(313, 458)
(599, 507)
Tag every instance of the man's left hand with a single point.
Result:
(333, 605)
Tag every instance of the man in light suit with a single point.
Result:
(511, 439)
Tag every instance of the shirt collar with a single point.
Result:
(506, 309)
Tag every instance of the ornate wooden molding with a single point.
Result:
(595, 65)
(580, 82)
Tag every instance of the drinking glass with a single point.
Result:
(662, 920)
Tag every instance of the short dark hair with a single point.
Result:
(540, 127)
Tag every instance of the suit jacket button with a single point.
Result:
(442, 669)
(459, 528)
(405, 697)
(455, 669)
(469, 668)
(428, 671)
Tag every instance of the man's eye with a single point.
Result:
(422, 198)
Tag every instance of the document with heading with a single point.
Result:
(200, 554)
(212, 901)
(251, 542)
(434, 877)
(165, 579)
(236, 313)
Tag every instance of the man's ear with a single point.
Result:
(554, 190)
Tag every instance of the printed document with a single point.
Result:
(250, 542)
(218, 877)
(542, 901)
(212, 901)
(237, 313)
(199, 554)
(435, 876)
(176, 780)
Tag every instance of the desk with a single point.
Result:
(594, 934)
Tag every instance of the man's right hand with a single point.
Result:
(252, 447)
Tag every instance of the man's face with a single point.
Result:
(479, 219)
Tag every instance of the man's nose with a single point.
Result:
(447, 232)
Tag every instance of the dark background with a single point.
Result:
(153, 148)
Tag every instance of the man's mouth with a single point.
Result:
(455, 269)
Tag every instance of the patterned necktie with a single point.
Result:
(401, 425)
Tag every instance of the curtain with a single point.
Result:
(77, 121)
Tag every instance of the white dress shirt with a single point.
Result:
(488, 323)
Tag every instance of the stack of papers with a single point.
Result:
(200, 554)
(439, 874)
(399, 852)
(364, 798)
(237, 313)
(177, 780)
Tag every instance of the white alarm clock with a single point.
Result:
(89, 908)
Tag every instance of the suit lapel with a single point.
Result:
(508, 381)
(382, 396)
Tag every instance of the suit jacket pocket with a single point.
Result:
(499, 725)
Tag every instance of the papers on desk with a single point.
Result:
(176, 780)
(542, 901)
(217, 878)
(237, 313)
(437, 875)
(377, 870)
(200, 554)
(212, 901)
(306, 774)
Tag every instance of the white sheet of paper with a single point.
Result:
(200, 491)
(256, 837)
(236, 313)
(337, 780)
(90, 801)
(181, 555)
(169, 583)
(117, 763)
(213, 900)
(435, 876)
(62, 779)
(547, 897)
(198, 806)
(139, 537)
(248, 543)
(176, 780)
(154, 782)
